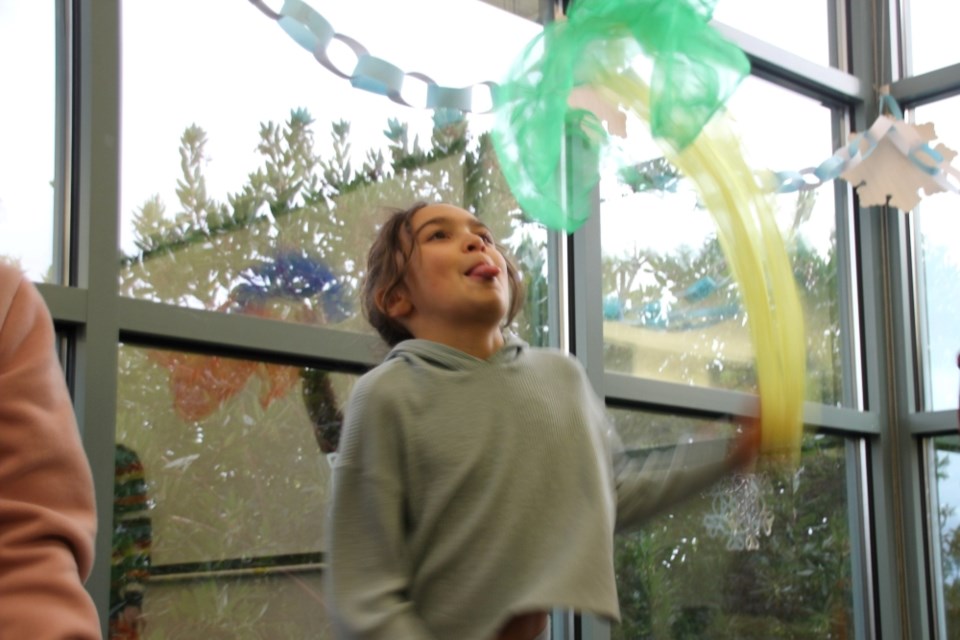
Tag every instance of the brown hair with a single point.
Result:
(387, 263)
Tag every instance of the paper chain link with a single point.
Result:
(862, 145)
(314, 33)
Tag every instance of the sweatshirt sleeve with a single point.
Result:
(649, 481)
(47, 512)
(368, 561)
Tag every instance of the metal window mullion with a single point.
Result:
(836, 24)
(902, 590)
(920, 336)
(905, 375)
(918, 423)
(94, 207)
(901, 595)
(904, 38)
(848, 288)
(932, 500)
(63, 139)
(861, 543)
(927, 87)
(891, 609)
(586, 331)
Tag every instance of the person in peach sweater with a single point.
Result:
(47, 509)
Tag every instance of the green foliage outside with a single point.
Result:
(678, 582)
(947, 449)
(299, 208)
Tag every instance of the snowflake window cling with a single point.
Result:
(739, 511)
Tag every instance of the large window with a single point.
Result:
(762, 554)
(29, 226)
(671, 306)
(252, 182)
(807, 33)
(944, 473)
(258, 194)
(938, 256)
(938, 343)
(221, 484)
(930, 24)
(216, 188)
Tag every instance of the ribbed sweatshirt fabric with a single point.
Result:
(467, 491)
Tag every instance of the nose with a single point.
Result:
(474, 242)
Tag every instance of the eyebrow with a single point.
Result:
(446, 220)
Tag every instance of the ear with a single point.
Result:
(397, 305)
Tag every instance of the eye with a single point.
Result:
(439, 234)
(487, 238)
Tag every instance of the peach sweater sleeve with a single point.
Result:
(47, 508)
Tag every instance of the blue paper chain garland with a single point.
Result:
(856, 151)
(314, 33)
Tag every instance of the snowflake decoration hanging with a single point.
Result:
(892, 161)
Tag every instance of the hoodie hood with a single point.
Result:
(442, 356)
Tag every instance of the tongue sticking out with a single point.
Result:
(485, 271)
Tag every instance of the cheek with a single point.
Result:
(508, 285)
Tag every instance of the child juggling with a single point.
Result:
(479, 481)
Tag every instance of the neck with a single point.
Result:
(480, 345)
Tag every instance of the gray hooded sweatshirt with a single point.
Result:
(467, 491)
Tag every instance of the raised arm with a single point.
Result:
(648, 482)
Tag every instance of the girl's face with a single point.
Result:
(455, 276)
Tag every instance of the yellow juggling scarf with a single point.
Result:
(588, 50)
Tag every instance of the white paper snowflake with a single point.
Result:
(893, 160)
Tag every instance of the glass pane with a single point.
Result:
(806, 33)
(253, 176)
(945, 502)
(932, 24)
(774, 547)
(671, 307)
(939, 271)
(27, 129)
(221, 487)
